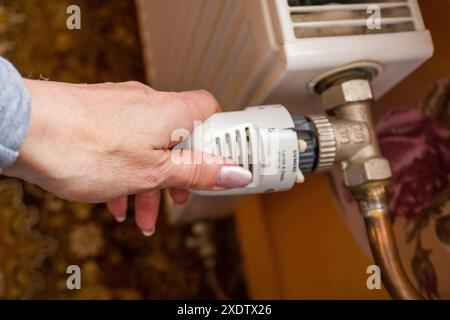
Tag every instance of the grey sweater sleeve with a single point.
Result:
(15, 110)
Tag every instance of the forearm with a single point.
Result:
(47, 128)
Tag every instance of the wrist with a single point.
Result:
(46, 132)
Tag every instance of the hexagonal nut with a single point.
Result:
(356, 174)
(347, 92)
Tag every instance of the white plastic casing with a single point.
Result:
(260, 139)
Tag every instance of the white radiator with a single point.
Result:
(250, 52)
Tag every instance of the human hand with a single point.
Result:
(104, 142)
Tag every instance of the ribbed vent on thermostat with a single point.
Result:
(326, 18)
(237, 147)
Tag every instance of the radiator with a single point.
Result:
(250, 52)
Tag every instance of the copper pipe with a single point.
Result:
(373, 205)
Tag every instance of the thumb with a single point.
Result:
(197, 170)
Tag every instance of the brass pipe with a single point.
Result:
(371, 198)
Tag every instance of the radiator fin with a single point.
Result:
(325, 18)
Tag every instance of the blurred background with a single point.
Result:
(41, 235)
(267, 247)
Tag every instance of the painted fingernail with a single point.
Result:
(234, 177)
(148, 233)
(121, 219)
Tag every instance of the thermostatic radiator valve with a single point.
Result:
(278, 147)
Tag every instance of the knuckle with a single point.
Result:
(181, 107)
(211, 101)
(157, 171)
(151, 179)
(140, 88)
(206, 94)
(134, 83)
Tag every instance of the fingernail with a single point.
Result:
(148, 233)
(234, 177)
(121, 219)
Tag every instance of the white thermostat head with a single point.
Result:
(261, 139)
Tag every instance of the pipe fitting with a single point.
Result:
(347, 135)
(351, 137)
(347, 98)
(349, 91)
(366, 171)
(326, 142)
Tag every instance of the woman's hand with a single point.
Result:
(103, 142)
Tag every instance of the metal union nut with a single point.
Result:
(327, 142)
(347, 92)
(358, 173)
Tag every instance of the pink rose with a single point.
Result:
(419, 152)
